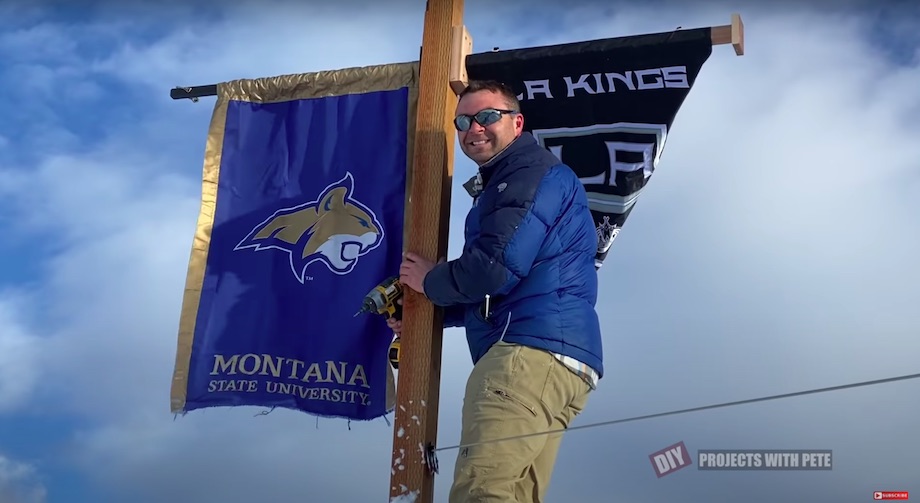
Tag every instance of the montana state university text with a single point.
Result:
(250, 364)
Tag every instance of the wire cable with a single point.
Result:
(694, 409)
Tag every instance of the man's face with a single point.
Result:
(481, 143)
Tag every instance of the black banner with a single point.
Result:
(605, 107)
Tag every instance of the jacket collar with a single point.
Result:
(523, 141)
(475, 184)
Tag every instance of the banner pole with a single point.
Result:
(730, 34)
(723, 34)
(416, 423)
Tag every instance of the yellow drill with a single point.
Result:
(382, 300)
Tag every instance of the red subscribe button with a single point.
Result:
(889, 495)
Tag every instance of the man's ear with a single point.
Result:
(518, 122)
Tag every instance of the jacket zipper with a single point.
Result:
(507, 322)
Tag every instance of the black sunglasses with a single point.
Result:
(484, 118)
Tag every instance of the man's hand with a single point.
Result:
(413, 270)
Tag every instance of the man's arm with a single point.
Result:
(453, 316)
(512, 231)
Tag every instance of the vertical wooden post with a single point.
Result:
(419, 381)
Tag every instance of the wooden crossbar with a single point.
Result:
(730, 34)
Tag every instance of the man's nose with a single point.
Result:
(476, 127)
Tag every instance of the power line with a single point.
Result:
(694, 409)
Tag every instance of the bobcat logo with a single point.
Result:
(335, 229)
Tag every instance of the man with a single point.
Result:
(524, 288)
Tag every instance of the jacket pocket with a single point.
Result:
(507, 397)
(479, 318)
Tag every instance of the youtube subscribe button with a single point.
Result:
(889, 495)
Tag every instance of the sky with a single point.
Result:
(774, 251)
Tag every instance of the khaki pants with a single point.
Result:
(514, 390)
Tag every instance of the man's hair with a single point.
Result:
(496, 87)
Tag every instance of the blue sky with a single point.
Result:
(773, 252)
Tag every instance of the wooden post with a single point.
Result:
(416, 422)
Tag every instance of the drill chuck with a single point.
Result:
(373, 303)
(366, 307)
(382, 298)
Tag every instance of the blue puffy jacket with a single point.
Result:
(530, 245)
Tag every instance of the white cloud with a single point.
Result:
(18, 355)
(19, 483)
(119, 270)
(274, 40)
(773, 252)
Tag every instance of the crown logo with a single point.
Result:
(606, 233)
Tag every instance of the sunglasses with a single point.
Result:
(484, 118)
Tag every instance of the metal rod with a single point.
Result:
(725, 34)
(193, 93)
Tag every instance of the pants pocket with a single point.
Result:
(504, 395)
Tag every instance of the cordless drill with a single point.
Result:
(382, 299)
